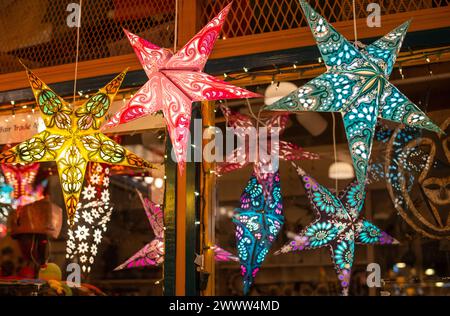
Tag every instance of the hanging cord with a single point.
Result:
(354, 22)
(357, 43)
(77, 55)
(175, 32)
(335, 150)
(257, 118)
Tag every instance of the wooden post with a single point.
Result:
(208, 202)
(192, 195)
(170, 223)
(182, 217)
(188, 13)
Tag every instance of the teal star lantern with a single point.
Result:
(357, 85)
(339, 226)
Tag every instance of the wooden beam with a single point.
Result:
(61, 73)
(427, 19)
(314, 70)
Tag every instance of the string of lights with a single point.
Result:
(301, 71)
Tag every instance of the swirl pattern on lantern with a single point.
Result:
(355, 84)
(175, 81)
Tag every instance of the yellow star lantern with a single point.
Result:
(72, 138)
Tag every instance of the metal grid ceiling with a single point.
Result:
(36, 31)
(248, 17)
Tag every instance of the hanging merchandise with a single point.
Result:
(221, 255)
(356, 84)
(258, 222)
(417, 166)
(266, 154)
(175, 81)
(338, 226)
(152, 254)
(404, 154)
(91, 219)
(72, 138)
(6, 192)
(21, 177)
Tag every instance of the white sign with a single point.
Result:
(17, 128)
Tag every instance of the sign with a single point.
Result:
(20, 127)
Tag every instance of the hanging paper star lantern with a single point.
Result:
(175, 81)
(263, 167)
(21, 177)
(72, 138)
(258, 222)
(356, 85)
(93, 215)
(221, 255)
(338, 226)
(405, 162)
(152, 254)
(32, 196)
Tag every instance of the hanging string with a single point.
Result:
(175, 35)
(334, 149)
(78, 25)
(257, 118)
(354, 22)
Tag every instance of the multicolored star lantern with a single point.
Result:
(152, 254)
(91, 219)
(72, 138)
(175, 81)
(258, 222)
(356, 84)
(338, 226)
(263, 167)
(6, 192)
(21, 177)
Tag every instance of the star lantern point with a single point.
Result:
(175, 80)
(72, 138)
(356, 84)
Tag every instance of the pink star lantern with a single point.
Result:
(221, 255)
(175, 81)
(152, 254)
(263, 166)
